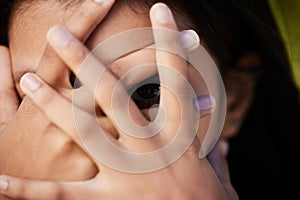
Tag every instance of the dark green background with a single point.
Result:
(287, 14)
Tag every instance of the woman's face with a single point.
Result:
(27, 38)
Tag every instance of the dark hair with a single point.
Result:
(5, 10)
(230, 28)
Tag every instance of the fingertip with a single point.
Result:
(103, 2)
(59, 36)
(3, 48)
(161, 13)
(190, 40)
(3, 184)
(206, 103)
(224, 147)
(30, 83)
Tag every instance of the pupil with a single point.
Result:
(148, 91)
(75, 83)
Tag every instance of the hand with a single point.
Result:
(30, 145)
(187, 178)
(217, 159)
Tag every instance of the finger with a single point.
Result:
(74, 54)
(81, 24)
(8, 97)
(24, 189)
(172, 67)
(138, 66)
(89, 15)
(190, 41)
(205, 105)
(57, 108)
(18, 188)
(60, 112)
(217, 159)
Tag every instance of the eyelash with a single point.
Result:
(146, 93)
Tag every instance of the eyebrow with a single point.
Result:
(18, 75)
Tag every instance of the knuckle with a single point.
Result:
(24, 189)
(86, 166)
(59, 143)
(193, 150)
(65, 147)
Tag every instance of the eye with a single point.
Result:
(146, 93)
(75, 83)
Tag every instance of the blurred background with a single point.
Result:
(287, 14)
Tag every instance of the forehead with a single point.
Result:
(29, 25)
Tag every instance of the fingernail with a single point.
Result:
(101, 1)
(190, 40)
(224, 146)
(30, 82)
(3, 184)
(162, 13)
(59, 36)
(205, 103)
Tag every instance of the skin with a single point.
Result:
(29, 114)
(19, 60)
(43, 136)
(21, 39)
